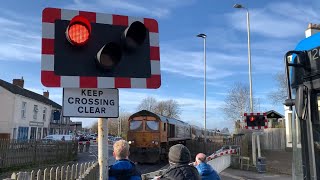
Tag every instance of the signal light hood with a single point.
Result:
(78, 31)
(134, 35)
(109, 56)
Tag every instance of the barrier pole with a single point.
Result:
(254, 159)
(103, 148)
(258, 144)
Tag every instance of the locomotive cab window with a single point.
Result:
(164, 126)
(152, 125)
(135, 125)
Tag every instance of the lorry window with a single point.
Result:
(135, 125)
(152, 125)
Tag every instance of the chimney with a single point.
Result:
(312, 29)
(46, 94)
(18, 82)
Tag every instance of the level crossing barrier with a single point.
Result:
(218, 161)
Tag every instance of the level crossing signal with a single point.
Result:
(256, 120)
(94, 50)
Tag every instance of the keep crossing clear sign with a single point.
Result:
(80, 102)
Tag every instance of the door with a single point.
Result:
(33, 133)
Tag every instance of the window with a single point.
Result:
(35, 112)
(164, 126)
(44, 114)
(135, 125)
(23, 110)
(152, 125)
(23, 133)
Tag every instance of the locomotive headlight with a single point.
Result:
(156, 142)
(130, 142)
(152, 142)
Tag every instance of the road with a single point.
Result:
(234, 174)
(92, 155)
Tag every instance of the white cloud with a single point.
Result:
(278, 20)
(155, 8)
(191, 64)
(19, 41)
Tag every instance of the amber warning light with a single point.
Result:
(78, 31)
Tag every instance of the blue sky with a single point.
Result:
(276, 27)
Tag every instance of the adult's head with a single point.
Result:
(179, 154)
(121, 150)
(200, 158)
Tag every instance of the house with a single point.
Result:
(275, 119)
(76, 127)
(27, 115)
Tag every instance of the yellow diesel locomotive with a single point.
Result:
(151, 135)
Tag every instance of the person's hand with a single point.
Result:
(156, 178)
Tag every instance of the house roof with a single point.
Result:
(274, 114)
(29, 94)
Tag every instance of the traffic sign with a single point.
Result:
(80, 102)
(94, 50)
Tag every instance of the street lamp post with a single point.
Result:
(239, 6)
(204, 36)
(249, 52)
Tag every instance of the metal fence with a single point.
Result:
(15, 154)
(200, 147)
(83, 171)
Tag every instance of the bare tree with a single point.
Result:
(148, 104)
(169, 108)
(161, 108)
(278, 96)
(123, 125)
(237, 102)
(116, 126)
(94, 127)
(113, 126)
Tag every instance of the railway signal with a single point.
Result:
(94, 50)
(256, 120)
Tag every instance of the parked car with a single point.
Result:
(59, 137)
(91, 136)
(117, 139)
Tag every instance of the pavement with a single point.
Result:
(235, 174)
(278, 161)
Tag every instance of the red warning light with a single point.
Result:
(251, 118)
(78, 31)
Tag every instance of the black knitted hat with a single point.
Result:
(179, 154)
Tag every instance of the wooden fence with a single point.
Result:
(15, 154)
(83, 171)
(273, 139)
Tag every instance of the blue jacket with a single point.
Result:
(207, 172)
(124, 170)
